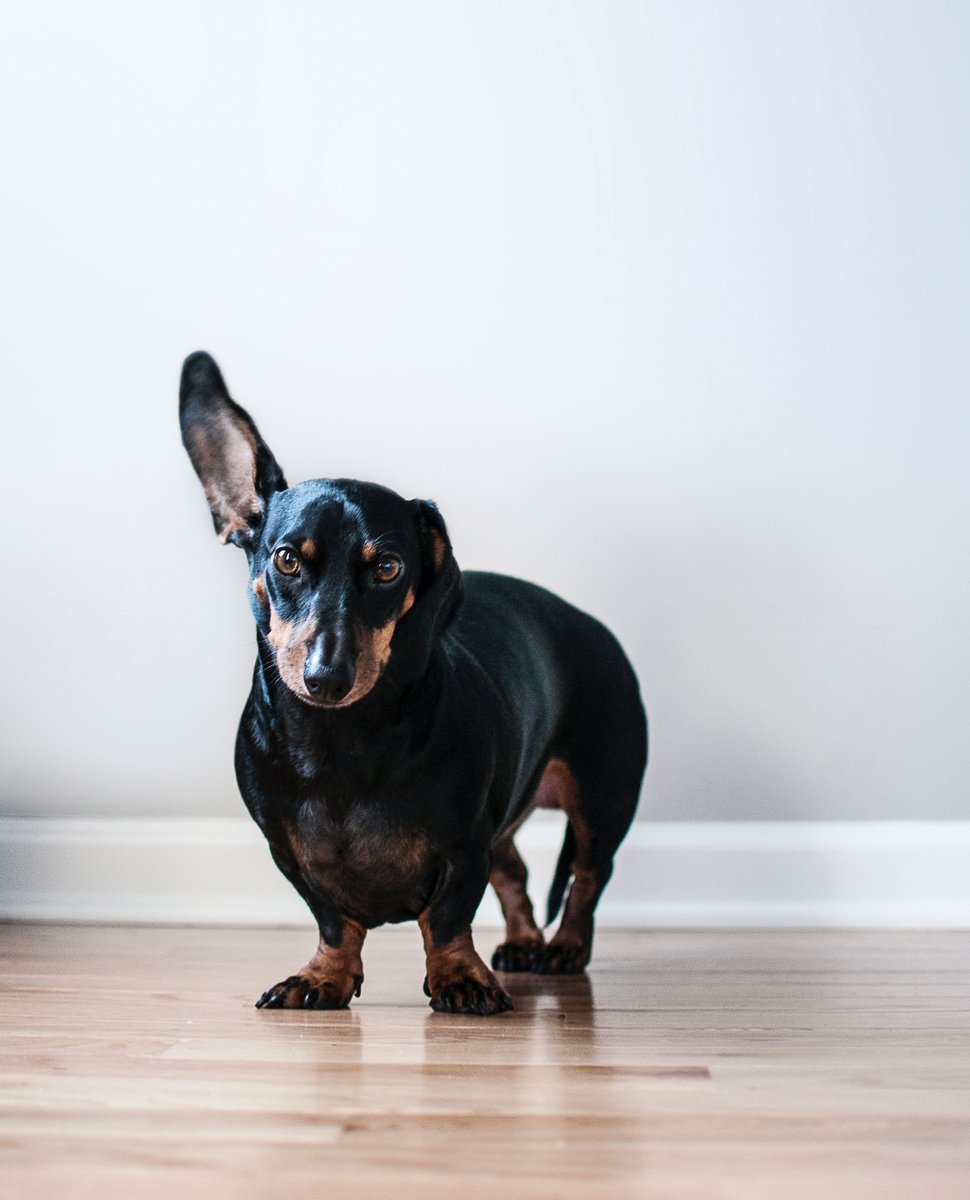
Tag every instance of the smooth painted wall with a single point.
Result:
(665, 304)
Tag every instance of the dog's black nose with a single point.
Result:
(329, 683)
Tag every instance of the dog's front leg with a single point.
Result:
(457, 980)
(331, 978)
(335, 973)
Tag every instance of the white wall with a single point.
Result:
(665, 304)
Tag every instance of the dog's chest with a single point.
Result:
(367, 866)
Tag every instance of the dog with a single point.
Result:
(406, 717)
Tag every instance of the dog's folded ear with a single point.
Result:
(441, 578)
(439, 593)
(236, 467)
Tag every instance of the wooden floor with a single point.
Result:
(687, 1066)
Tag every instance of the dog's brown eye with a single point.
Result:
(285, 561)
(387, 568)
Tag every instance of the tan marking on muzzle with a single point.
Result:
(291, 643)
(373, 654)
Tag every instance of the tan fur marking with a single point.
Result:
(361, 853)
(338, 967)
(370, 551)
(308, 548)
(410, 852)
(567, 790)
(342, 864)
(557, 787)
(438, 549)
(224, 456)
(558, 784)
(508, 878)
(408, 602)
(382, 644)
(291, 641)
(346, 956)
(259, 588)
(373, 651)
(453, 962)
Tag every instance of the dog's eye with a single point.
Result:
(285, 561)
(387, 568)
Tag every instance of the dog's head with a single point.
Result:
(344, 576)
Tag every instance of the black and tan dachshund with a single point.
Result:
(406, 717)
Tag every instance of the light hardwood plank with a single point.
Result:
(687, 1065)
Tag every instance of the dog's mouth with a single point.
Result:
(312, 701)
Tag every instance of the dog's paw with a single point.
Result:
(560, 959)
(466, 994)
(516, 956)
(310, 991)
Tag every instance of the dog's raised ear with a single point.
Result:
(237, 469)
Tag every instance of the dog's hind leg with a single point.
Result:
(599, 815)
(523, 937)
(569, 949)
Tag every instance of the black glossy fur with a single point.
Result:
(405, 717)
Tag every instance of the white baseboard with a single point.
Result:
(744, 874)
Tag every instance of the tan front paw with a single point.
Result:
(312, 990)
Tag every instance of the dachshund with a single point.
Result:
(406, 717)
